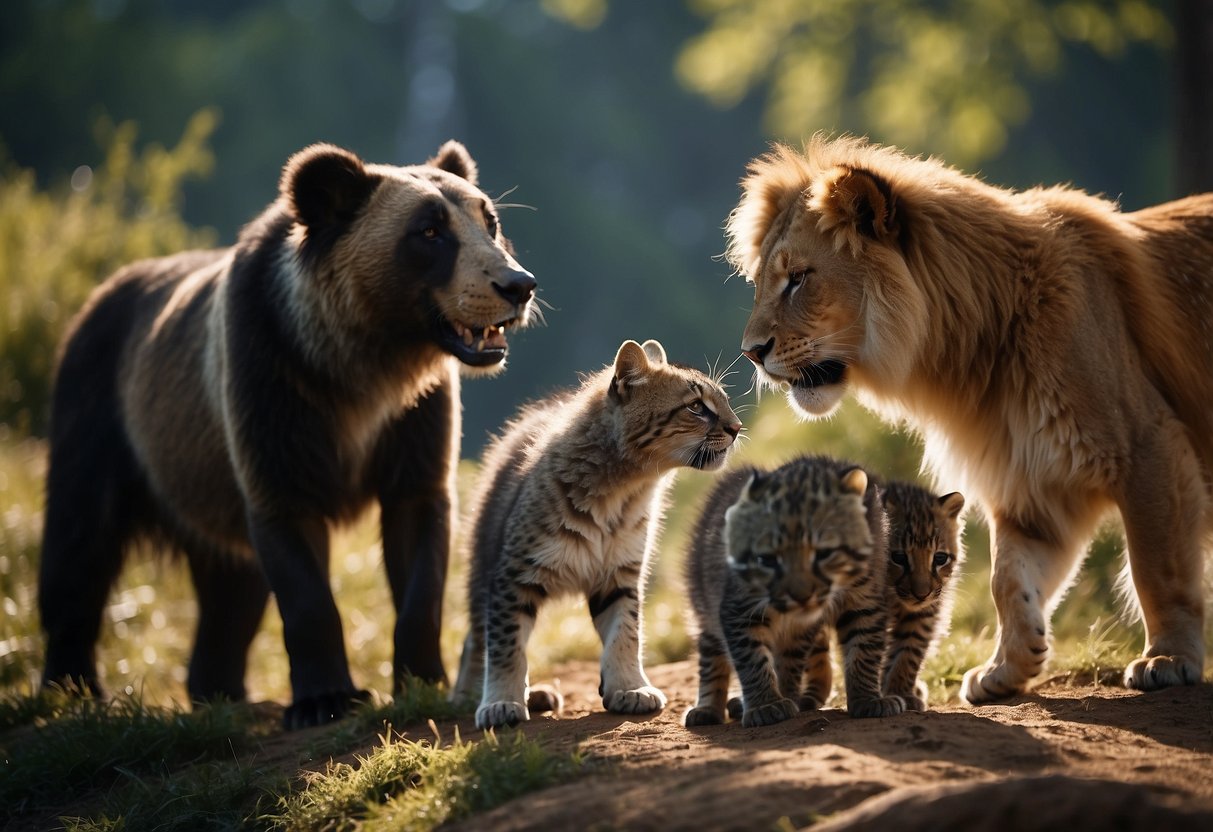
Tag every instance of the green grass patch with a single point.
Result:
(407, 785)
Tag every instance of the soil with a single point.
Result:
(1072, 756)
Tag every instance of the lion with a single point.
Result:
(1053, 352)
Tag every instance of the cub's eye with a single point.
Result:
(899, 557)
(826, 554)
(768, 561)
(795, 280)
(941, 559)
(697, 407)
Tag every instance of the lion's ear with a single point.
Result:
(853, 204)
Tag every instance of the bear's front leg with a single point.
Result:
(295, 553)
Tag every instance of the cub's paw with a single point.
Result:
(914, 703)
(1161, 672)
(809, 702)
(877, 706)
(981, 685)
(501, 714)
(702, 715)
(769, 714)
(735, 708)
(643, 700)
(322, 709)
(544, 699)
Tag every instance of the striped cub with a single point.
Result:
(775, 558)
(570, 501)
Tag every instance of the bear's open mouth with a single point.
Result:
(477, 346)
(827, 372)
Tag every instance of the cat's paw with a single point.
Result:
(876, 706)
(702, 715)
(770, 713)
(809, 702)
(1161, 672)
(914, 703)
(735, 708)
(544, 699)
(643, 700)
(501, 714)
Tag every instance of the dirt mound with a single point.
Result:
(1068, 756)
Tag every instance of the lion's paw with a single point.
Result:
(1159, 672)
(982, 685)
(770, 713)
(501, 714)
(643, 700)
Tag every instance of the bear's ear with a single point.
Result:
(454, 158)
(952, 504)
(325, 186)
(655, 351)
(853, 204)
(631, 368)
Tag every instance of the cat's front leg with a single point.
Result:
(509, 618)
(750, 647)
(861, 634)
(625, 688)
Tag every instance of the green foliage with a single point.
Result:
(406, 785)
(56, 245)
(946, 76)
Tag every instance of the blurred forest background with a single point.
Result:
(138, 127)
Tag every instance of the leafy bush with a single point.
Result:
(57, 244)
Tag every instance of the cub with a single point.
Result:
(776, 557)
(924, 549)
(237, 403)
(570, 500)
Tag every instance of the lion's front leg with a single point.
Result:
(1164, 510)
(1028, 574)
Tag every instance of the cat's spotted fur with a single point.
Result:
(570, 501)
(776, 557)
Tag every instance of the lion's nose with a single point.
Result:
(758, 352)
(517, 286)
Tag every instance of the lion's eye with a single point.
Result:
(491, 223)
(795, 280)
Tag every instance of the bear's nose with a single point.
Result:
(516, 286)
(758, 352)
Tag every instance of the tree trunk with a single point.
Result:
(1194, 88)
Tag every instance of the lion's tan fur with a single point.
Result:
(1056, 353)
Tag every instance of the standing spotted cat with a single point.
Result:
(775, 558)
(570, 501)
(924, 548)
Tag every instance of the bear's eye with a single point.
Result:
(430, 232)
(795, 280)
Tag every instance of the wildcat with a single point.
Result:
(776, 557)
(570, 500)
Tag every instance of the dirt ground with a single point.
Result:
(1068, 756)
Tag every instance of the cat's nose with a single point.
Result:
(731, 428)
(758, 352)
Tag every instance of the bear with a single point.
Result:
(237, 403)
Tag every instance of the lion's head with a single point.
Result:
(820, 236)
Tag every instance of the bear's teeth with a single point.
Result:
(467, 337)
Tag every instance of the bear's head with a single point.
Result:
(407, 254)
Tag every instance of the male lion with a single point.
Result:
(1054, 352)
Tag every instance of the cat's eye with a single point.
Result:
(697, 407)
(899, 557)
(768, 561)
(826, 554)
(941, 559)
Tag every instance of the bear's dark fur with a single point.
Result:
(236, 403)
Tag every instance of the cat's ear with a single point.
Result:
(855, 480)
(952, 504)
(631, 370)
(654, 351)
(754, 486)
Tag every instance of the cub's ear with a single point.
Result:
(854, 204)
(454, 158)
(631, 368)
(855, 481)
(952, 504)
(754, 486)
(654, 351)
(325, 186)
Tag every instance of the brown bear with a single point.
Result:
(236, 403)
